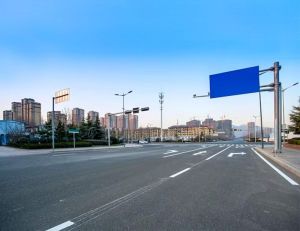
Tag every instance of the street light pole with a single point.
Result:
(255, 128)
(123, 95)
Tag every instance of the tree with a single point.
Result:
(60, 131)
(295, 119)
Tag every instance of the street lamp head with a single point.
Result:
(295, 84)
(129, 92)
(117, 94)
(194, 96)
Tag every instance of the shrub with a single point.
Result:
(294, 141)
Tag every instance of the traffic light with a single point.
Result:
(145, 109)
(135, 110)
(128, 112)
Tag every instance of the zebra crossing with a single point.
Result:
(237, 145)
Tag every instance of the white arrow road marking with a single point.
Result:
(237, 153)
(199, 153)
(170, 151)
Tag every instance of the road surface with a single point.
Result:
(225, 186)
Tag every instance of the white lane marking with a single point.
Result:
(292, 182)
(182, 152)
(199, 153)
(236, 153)
(69, 154)
(170, 151)
(178, 173)
(217, 153)
(61, 226)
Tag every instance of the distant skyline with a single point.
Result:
(99, 48)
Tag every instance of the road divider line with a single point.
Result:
(61, 226)
(218, 153)
(178, 173)
(291, 181)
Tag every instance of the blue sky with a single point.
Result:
(98, 48)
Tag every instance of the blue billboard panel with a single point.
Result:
(236, 82)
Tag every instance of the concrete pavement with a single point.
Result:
(159, 187)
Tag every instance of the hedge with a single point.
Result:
(294, 141)
(57, 145)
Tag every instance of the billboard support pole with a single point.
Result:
(52, 124)
(277, 109)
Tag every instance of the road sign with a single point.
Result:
(75, 131)
(62, 95)
(236, 82)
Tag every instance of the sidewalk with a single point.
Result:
(6, 151)
(289, 159)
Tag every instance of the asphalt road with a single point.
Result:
(156, 187)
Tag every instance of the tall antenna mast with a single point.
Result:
(161, 101)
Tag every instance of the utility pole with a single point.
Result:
(161, 101)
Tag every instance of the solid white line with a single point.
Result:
(182, 152)
(69, 154)
(292, 182)
(217, 153)
(61, 226)
(178, 173)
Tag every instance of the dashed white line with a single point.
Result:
(61, 226)
(178, 173)
(291, 181)
(217, 153)
(199, 153)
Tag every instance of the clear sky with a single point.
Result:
(102, 47)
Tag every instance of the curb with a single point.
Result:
(280, 162)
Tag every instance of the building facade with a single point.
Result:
(31, 112)
(16, 108)
(10, 128)
(173, 133)
(193, 123)
(7, 115)
(93, 116)
(58, 116)
(77, 116)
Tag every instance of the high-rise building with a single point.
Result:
(193, 123)
(211, 123)
(31, 112)
(102, 121)
(7, 115)
(225, 126)
(58, 116)
(251, 129)
(16, 108)
(110, 121)
(133, 121)
(77, 116)
(92, 116)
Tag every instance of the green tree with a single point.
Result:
(295, 119)
(60, 131)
